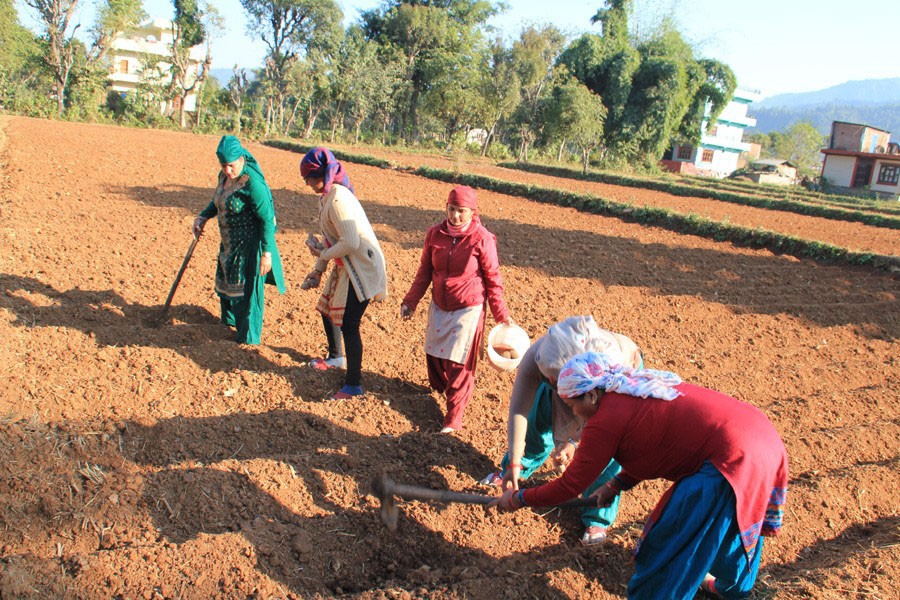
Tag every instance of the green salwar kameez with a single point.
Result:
(246, 217)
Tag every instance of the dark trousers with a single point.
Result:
(349, 331)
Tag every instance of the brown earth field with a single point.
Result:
(170, 462)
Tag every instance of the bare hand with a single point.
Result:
(605, 494)
(511, 477)
(562, 455)
(197, 227)
(505, 502)
(406, 312)
(265, 264)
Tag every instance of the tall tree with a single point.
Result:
(577, 114)
(55, 17)
(187, 72)
(89, 73)
(18, 50)
(432, 35)
(534, 55)
(653, 87)
(291, 29)
(500, 89)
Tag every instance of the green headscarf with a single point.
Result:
(230, 149)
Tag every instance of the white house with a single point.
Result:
(151, 38)
(860, 157)
(721, 146)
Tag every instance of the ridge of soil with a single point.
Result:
(171, 462)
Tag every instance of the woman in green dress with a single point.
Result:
(248, 255)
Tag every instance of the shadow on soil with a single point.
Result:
(338, 549)
(827, 295)
(112, 321)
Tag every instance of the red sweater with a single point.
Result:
(463, 271)
(653, 438)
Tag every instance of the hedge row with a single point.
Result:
(681, 189)
(660, 217)
(781, 192)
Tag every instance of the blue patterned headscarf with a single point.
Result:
(592, 370)
(320, 162)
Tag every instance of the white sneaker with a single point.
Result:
(323, 364)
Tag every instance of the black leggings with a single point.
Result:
(349, 331)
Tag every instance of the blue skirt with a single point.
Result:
(697, 533)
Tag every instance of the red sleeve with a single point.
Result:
(423, 275)
(490, 273)
(598, 446)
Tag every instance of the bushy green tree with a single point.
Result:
(654, 88)
(801, 144)
(534, 56)
(21, 78)
(435, 37)
(576, 114)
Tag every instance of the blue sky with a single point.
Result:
(774, 46)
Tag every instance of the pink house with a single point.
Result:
(860, 157)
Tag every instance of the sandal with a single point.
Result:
(708, 585)
(594, 534)
(323, 364)
(494, 479)
(347, 392)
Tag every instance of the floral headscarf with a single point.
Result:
(320, 162)
(592, 370)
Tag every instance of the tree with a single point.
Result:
(365, 78)
(534, 55)
(19, 53)
(291, 29)
(800, 144)
(433, 36)
(238, 87)
(577, 114)
(653, 87)
(500, 89)
(55, 16)
(188, 31)
(90, 70)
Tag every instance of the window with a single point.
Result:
(889, 174)
(708, 155)
(123, 66)
(685, 152)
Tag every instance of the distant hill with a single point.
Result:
(874, 102)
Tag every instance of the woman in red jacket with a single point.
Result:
(459, 261)
(727, 463)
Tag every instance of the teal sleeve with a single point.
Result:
(261, 201)
(210, 211)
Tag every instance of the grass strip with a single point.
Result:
(682, 189)
(660, 217)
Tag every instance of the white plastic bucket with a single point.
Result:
(506, 345)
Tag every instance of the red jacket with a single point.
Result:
(462, 271)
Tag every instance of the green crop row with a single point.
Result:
(660, 217)
(682, 189)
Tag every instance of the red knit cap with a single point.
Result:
(464, 196)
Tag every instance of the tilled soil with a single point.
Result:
(171, 462)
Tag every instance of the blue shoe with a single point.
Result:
(347, 392)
